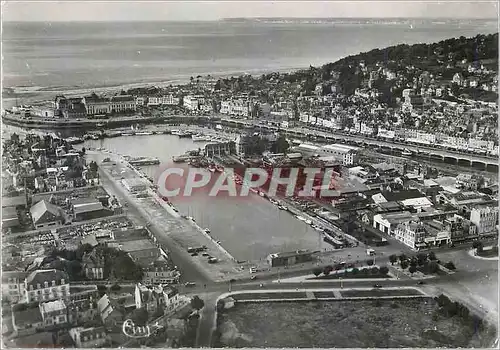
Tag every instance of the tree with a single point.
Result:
(421, 258)
(355, 271)
(412, 269)
(197, 303)
(402, 257)
(393, 259)
(433, 267)
(413, 262)
(477, 244)
(115, 287)
(403, 264)
(317, 271)
(327, 270)
(280, 145)
(369, 262)
(384, 270)
(140, 316)
(432, 256)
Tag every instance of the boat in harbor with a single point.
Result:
(181, 159)
(74, 140)
(175, 132)
(185, 134)
(406, 152)
(142, 160)
(200, 138)
(282, 207)
(127, 134)
(144, 133)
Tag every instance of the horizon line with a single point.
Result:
(253, 18)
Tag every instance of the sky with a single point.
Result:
(212, 10)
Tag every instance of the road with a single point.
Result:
(190, 271)
(431, 286)
(336, 135)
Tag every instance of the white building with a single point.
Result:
(342, 152)
(411, 233)
(235, 107)
(152, 298)
(485, 219)
(387, 223)
(54, 313)
(44, 285)
(192, 103)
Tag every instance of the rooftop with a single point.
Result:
(13, 201)
(340, 148)
(42, 276)
(40, 208)
(51, 306)
(137, 245)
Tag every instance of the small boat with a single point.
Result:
(127, 134)
(100, 125)
(282, 207)
(406, 152)
(185, 134)
(175, 132)
(144, 133)
(200, 138)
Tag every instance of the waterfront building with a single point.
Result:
(158, 297)
(44, 285)
(54, 313)
(192, 103)
(235, 107)
(122, 103)
(69, 108)
(289, 258)
(93, 337)
(485, 218)
(96, 105)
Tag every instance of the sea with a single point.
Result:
(54, 57)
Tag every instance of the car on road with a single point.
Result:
(253, 277)
(190, 284)
(194, 254)
(205, 254)
(420, 282)
(377, 286)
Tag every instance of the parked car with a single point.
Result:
(190, 284)
(194, 254)
(254, 277)
(377, 286)
(420, 282)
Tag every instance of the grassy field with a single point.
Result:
(252, 296)
(379, 293)
(364, 323)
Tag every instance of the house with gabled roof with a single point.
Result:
(45, 214)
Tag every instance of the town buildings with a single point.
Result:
(45, 285)
(93, 337)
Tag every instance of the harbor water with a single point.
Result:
(249, 228)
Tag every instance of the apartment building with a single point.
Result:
(485, 218)
(45, 285)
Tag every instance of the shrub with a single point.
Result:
(115, 287)
(374, 270)
(393, 259)
(369, 262)
(355, 271)
(327, 270)
(450, 265)
(432, 256)
(384, 270)
(317, 271)
(412, 269)
(404, 264)
(433, 267)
